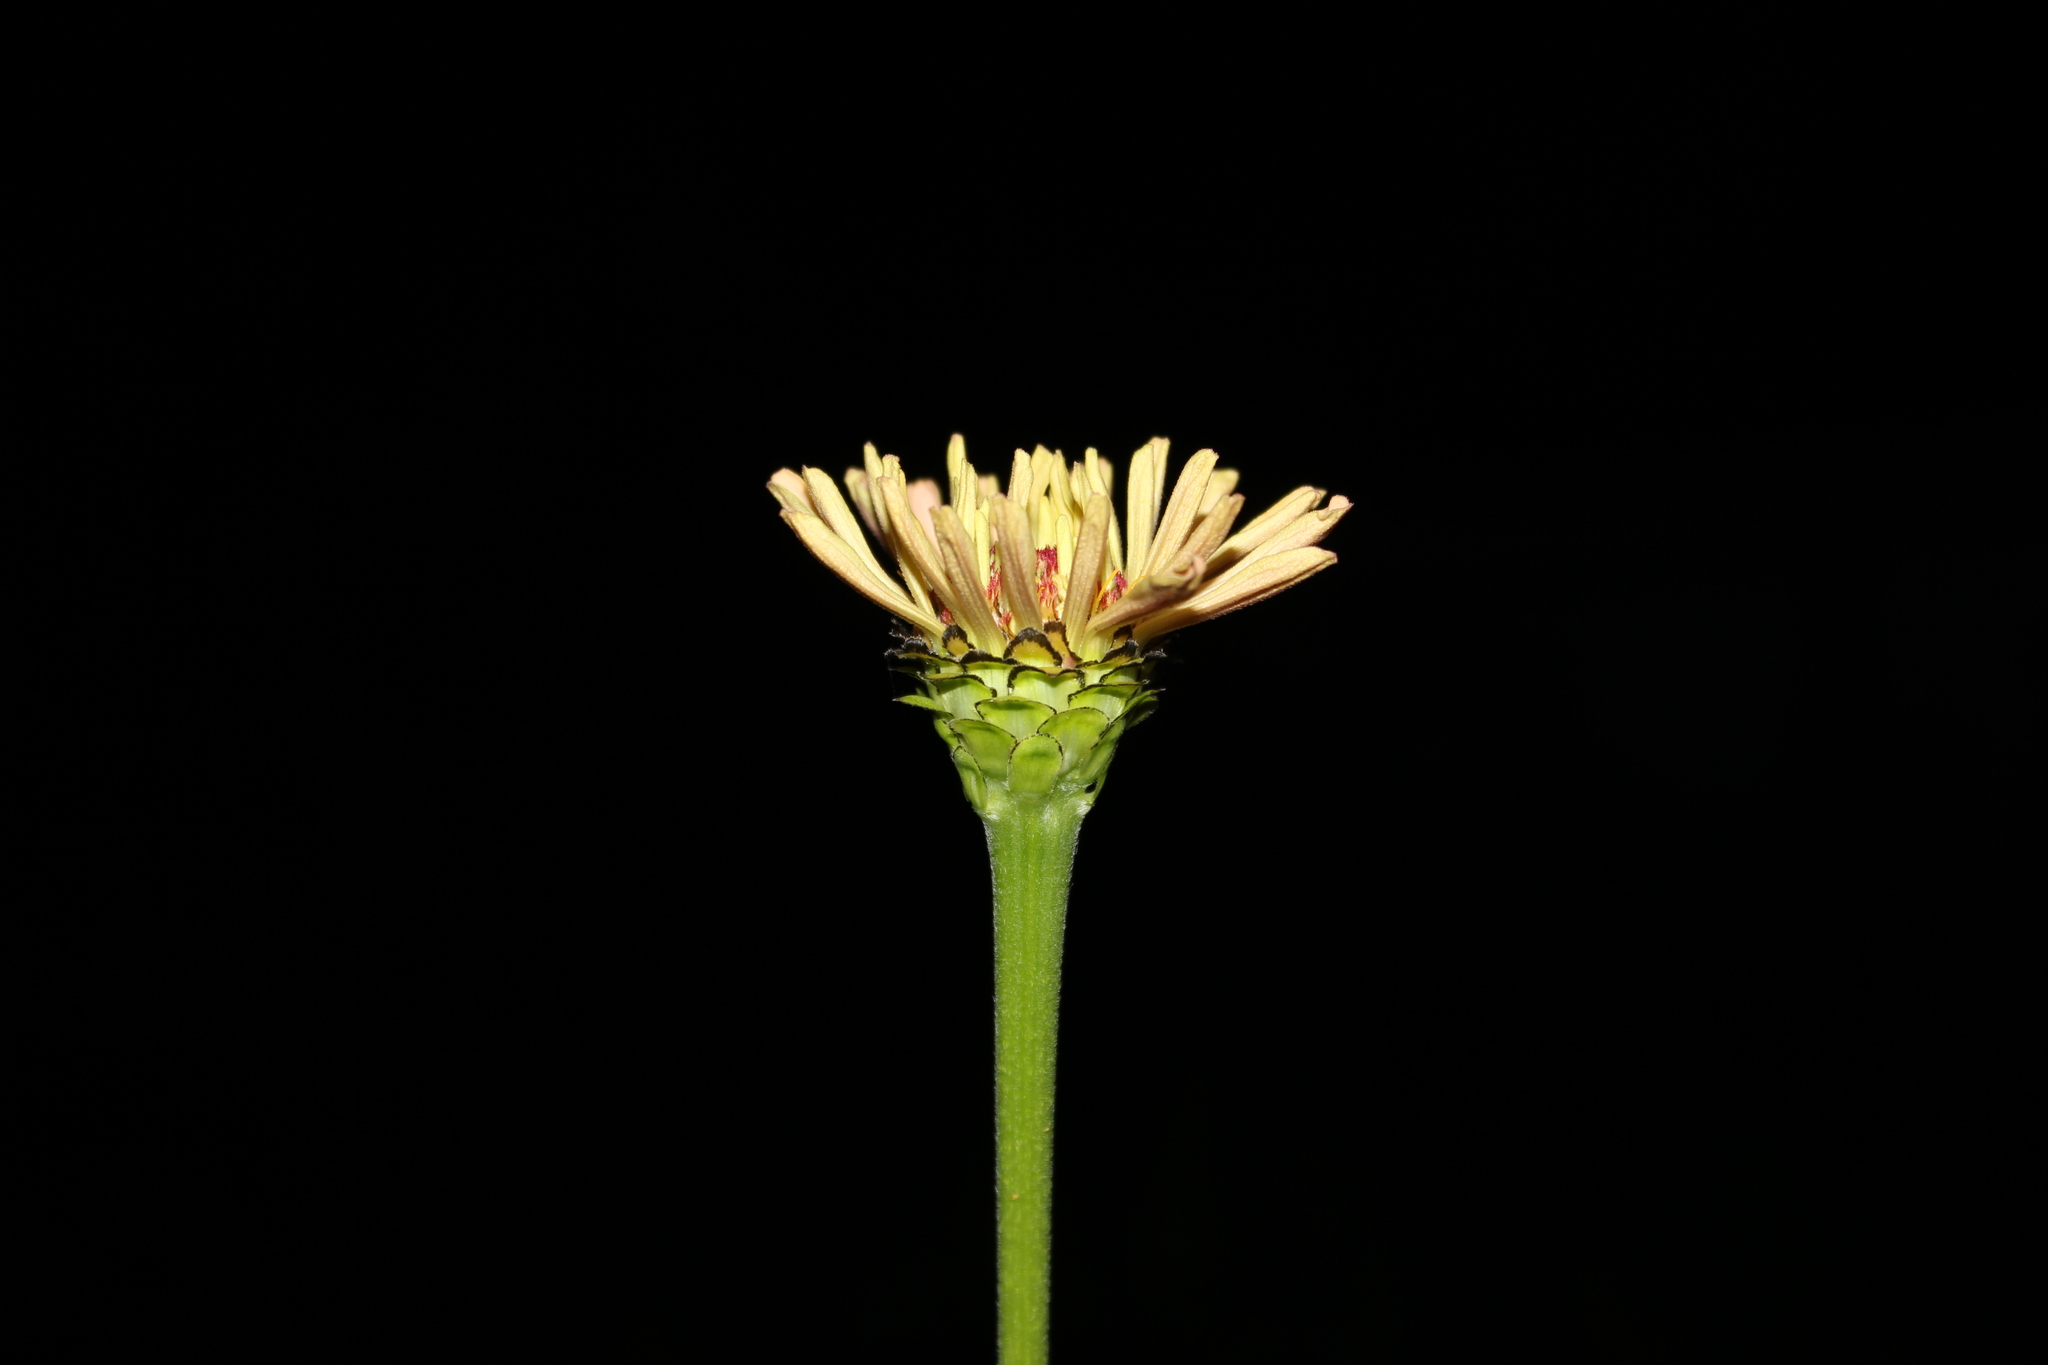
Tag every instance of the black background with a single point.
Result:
(1581, 920)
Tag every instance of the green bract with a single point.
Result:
(1034, 722)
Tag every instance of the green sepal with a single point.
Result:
(1096, 760)
(920, 663)
(971, 781)
(1108, 698)
(1129, 673)
(1076, 730)
(1034, 764)
(1038, 685)
(1019, 715)
(993, 672)
(924, 703)
(1139, 709)
(960, 693)
(989, 744)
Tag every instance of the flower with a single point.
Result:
(1033, 609)
(1044, 557)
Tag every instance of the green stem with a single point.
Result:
(1031, 858)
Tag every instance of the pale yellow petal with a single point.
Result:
(1085, 570)
(1041, 472)
(1270, 575)
(1159, 447)
(872, 462)
(1020, 478)
(1104, 474)
(1222, 483)
(863, 502)
(911, 543)
(969, 582)
(1152, 593)
(1263, 527)
(1020, 564)
(1306, 529)
(960, 478)
(1214, 526)
(1181, 511)
(924, 496)
(832, 507)
(788, 487)
(1058, 492)
(1063, 544)
(984, 541)
(839, 557)
(1141, 512)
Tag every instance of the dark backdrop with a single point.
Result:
(1580, 921)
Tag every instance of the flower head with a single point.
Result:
(1041, 562)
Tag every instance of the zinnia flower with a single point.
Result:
(1029, 601)
(1028, 615)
